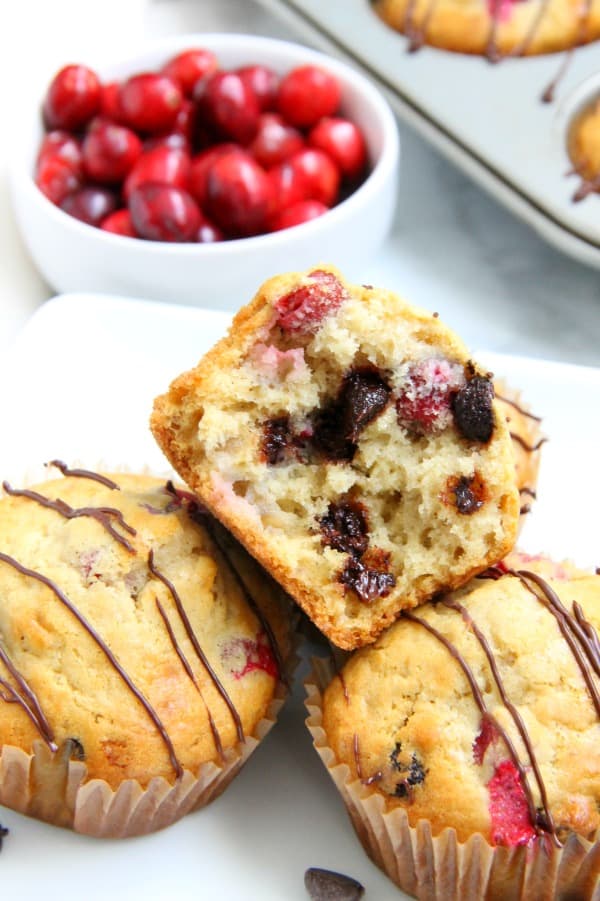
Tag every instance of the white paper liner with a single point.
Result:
(52, 787)
(440, 868)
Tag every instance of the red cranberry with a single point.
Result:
(238, 195)
(229, 106)
(306, 94)
(185, 120)
(110, 107)
(109, 152)
(90, 205)
(164, 213)
(150, 102)
(302, 309)
(56, 178)
(62, 145)
(173, 141)
(188, 67)
(320, 174)
(164, 165)
(119, 223)
(288, 187)
(201, 166)
(208, 233)
(275, 141)
(343, 142)
(300, 212)
(263, 82)
(72, 98)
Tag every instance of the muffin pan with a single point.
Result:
(489, 119)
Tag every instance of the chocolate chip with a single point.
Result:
(415, 771)
(369, 578)
(325, 885)
(469, 493)
(277, 437)
(472, 408)
(75, 749)
(345, 527)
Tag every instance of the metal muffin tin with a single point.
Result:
(488, 118)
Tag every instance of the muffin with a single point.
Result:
(140, 656)
(465, 741)
(527, 441)
(496, 28)
(350, 443)
(584, 149)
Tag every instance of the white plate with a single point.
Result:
(79, 383)
(488, 119)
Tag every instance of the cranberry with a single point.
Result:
(73, 98)
(189, 66)
(150, 102)
(208, 233)
(306, 94)
(238, 194)
(174, 140)
(303, 308)
(185, 121)
(288, 186)
(320, 174)
(61, 145)
(56, 178)
(164, 165)
(263, 82)
(508, 807)
(109, 152)
(164, 213)
(228, 106)
(119, 223)
(298, 213)
(275, 141)
(90, 205)
(110, 106)
(343, 142)
(200, 168)
(369, 577)
(423, 406)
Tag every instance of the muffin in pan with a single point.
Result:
(495, 28)
(465, 741)
(350, 442)
(140, 654)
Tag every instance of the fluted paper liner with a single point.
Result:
(439, 867)
(55, 788)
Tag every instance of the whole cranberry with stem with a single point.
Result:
(275, 141)
(164, 213)
(320, 174)
(119, 223)
(149, 102)
(61, 145)
(229, 106)
(201, 165)
(90, 204)
(110, 152)
(304, 211)
(343, 141)
(164, 165)
(263, 82)
(238, 195)
(56, 178)
(288, 187)
(306, 94)
(72, 99)
(189, 66)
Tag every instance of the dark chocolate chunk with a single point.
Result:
(363, 396)
(416, 773)
(469, 493)
(4, 833)
(325, 885)
(472, 408)
(277, 437)
(369, 578)
(345, 527)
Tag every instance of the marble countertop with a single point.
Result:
(452, 249)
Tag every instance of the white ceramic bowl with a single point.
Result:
(73, 256)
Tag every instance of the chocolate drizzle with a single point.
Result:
(530, 448)
(513, 403)
(64, 600)
(106, 516)
(196, 645)
(366, 780)
(84, 474)
(26, 698)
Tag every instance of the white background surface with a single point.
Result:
(103, 362)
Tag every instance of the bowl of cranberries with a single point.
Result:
(202, 165)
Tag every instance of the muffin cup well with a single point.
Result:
(439, 867)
